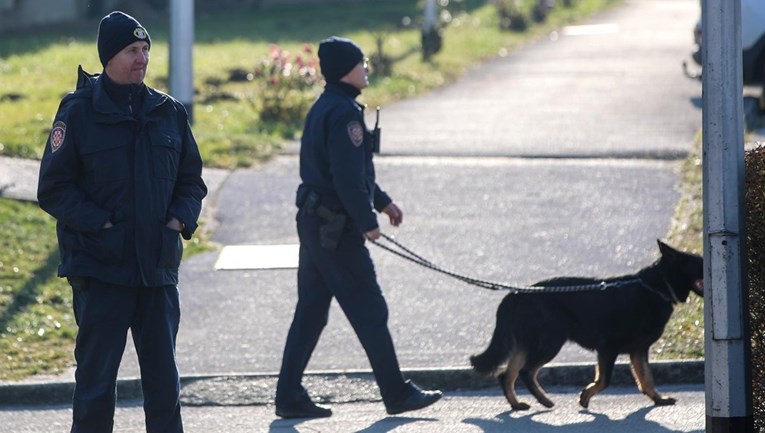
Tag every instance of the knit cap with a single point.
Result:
(115, 32)
(337, 56)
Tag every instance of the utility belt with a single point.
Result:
(334, 223)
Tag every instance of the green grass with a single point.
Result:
(36, 320)
(37, 68)
(684, 334)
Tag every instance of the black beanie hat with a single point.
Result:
(337, 56)
(115, 32)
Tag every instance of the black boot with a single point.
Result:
(301, 407)
(413, 398)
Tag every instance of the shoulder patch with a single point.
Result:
(57, 136)
(356, 133)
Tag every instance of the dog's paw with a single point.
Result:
(664, 401)
(584, 399)
(521, 406)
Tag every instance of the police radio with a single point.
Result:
(376, 134)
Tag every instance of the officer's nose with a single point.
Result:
(143, 57)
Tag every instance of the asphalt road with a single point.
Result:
(560, 158)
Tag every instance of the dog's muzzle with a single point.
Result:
(699, 286)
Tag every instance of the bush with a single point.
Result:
(518, 15)
(755, 232)
(511, 17)
(287, 85)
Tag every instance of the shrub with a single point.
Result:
(511, 17)
(287, 85)
(755, 233)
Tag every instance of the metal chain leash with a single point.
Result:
(413, 257)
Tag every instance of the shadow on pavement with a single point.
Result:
(636, 421)
(381, 426)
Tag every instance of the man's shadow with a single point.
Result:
(635, 421)
(384, 425)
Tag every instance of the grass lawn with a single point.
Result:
(684, 334)
(37, 68)
(36, 323)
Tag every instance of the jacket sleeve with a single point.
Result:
(190, 189)
(381, 200)
(346, 162)
(58, 192)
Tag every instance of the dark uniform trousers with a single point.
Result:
(347, 274)
(104, 313)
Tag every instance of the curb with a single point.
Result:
(341, 386)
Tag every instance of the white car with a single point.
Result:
(752, 41)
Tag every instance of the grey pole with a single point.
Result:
(727, 365)
(430, 34)
(181, 80)
(430, 13)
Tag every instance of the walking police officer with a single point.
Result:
(337, 200)
(121, 173)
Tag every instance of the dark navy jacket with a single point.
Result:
(336, 157)
(138, 170)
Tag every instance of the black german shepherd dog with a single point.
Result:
(626, 317)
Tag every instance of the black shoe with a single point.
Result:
(413, 399)
(302, 407)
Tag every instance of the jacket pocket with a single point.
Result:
(105, 245)
(165, 153)
(106, 161)
(172, 249)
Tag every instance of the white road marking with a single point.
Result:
(234, 257)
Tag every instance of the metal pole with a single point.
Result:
(727, 346)
(181, 79)
(431, 16)
(431, 35)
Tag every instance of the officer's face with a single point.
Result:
(129, 65)
(358, 76)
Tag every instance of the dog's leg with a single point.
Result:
(644, 378)
(530, 379)
(603, 372)
(547, 347)
(510, 376)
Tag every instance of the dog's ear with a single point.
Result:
(665, 249)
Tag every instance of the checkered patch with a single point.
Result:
(57, 136)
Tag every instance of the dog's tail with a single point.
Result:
(488, 362)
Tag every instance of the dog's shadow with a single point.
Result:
(510, 421)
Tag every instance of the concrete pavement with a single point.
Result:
(617, 410)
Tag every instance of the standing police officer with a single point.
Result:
(121, 173)
(337, 198)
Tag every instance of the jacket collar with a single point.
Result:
(104, 104)
(343, 88)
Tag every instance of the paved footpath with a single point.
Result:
(617, 410)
